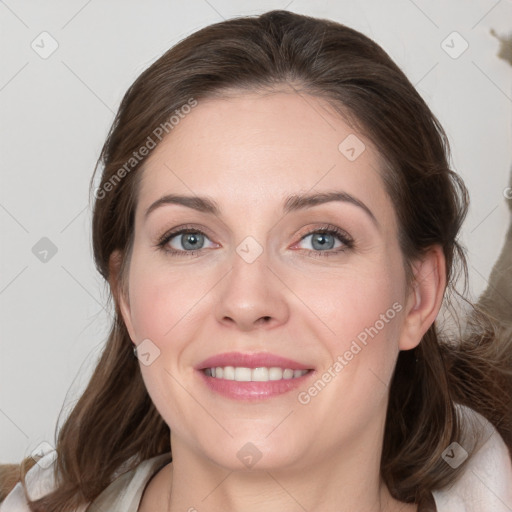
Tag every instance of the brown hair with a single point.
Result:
(115, 425)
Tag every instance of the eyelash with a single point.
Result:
(327, 229)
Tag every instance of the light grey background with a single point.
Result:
(55, 113)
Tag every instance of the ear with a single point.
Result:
(424, 298)
(119, 291)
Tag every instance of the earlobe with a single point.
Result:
(425, 297)
(119, 292)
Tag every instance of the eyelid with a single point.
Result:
(326, 228)
(343, 236)
(164, 239)
(183, 227)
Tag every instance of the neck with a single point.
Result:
(340, 483)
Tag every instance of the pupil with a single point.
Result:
(191, 241)
(321, 240)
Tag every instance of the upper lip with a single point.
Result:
(258, 360)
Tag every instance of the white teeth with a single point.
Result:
(275, 373)
(288, 374)
(243, 374)
(229, 373)
(262, 374)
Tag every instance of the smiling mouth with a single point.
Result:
(261, 374)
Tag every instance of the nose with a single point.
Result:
(252, 296)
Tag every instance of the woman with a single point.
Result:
(277, 221)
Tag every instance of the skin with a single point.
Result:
(248, 153)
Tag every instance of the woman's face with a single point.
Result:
(258, 280)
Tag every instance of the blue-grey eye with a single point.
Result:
(189, 241)
(322, 241)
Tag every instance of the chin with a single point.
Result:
(253, 452)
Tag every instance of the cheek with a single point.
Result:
(355, 302)
(364, 309)
(160, 300)
(161, 305)
(360, 315)
(366, 317)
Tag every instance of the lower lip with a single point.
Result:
(243, 390)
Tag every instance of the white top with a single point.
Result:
(484, 486)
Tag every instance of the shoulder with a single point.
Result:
(122, 495)
(125, 492)
(486, 481)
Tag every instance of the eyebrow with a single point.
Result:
(293, 203)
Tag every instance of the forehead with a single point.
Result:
(258, 149)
